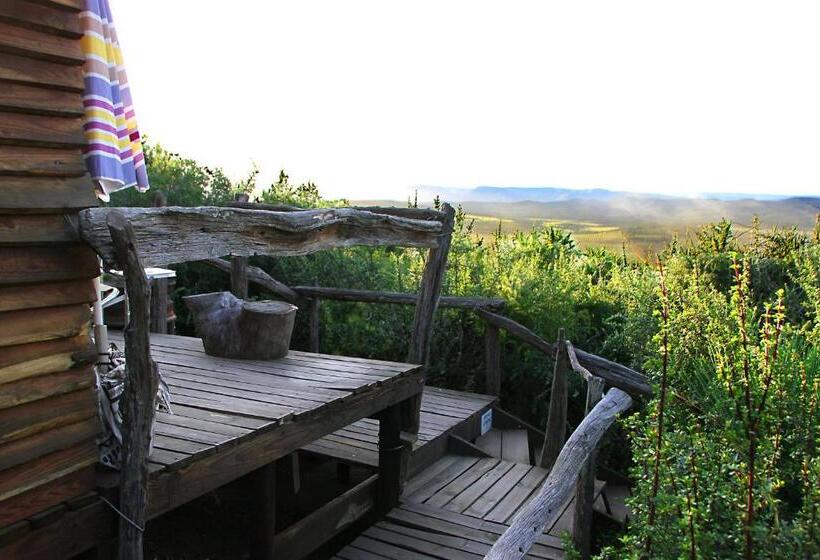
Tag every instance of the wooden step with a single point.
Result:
(612, 503)
(511, 445)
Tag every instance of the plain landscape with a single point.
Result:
(640, 223)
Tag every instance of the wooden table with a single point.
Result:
(233, 417)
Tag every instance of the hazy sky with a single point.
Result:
(369, 99)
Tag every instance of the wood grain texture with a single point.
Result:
(27, 449)
(40, 18)
(33, 100)
(44, 469)
(585, 488)
(26, 356)
(36, 44)
(73, 6)
(46, 495)
(41, 130)
(34, 265)
(45, 414)
(175, 234)
(48, 323)
(137, 403)
(36, 229)
(560, 483)
(261, 278)
(28, 161)
(373, 296)
(49, 294)
(556, 428)
(39, 387)
(49, 194)
(25, 70)
(492, 360)
(613, 373)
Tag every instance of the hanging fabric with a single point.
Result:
(113, 150)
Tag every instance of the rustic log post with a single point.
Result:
(314, 319)
(390, 459)
(585, 488)
(159, 305)
(264, 523)
(140, 391)
(262, 278)
(429, 294)
(239, 277)
(557, 420)
(492, 360)
(544, 509)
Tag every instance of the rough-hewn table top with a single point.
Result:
(219, 404)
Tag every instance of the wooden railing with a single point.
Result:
(571, 461)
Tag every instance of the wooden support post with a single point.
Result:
(159, 306)
(239, 277)
(140, 391)
(314, 318)
(429, 294)
(557, 420)
(390, 459)
(492, 359)
(585, 488)
(264, 523)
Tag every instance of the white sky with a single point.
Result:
(369, 99)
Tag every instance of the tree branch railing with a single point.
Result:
(545, 507)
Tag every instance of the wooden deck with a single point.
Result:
(231, 417)
(456, 509)
(443, 412)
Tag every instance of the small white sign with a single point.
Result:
(486, 421)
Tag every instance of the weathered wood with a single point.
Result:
(39, 45)
(175, 234)
(400, 298)
(50, 294)
(412, 213)
(557, 420)
(45, 414)
(531, 520)
(41, 18)
(585, 488)
(32, 265)
(576, 365)
(24, 477)
(239, 277)
(262, 278)
(38, 162)
(71, 6)
(390, 459)
(22, 69)
(40, 130)
(264, 529)
(314, 321)
(38, 358)
(35, 228)
(492, 360)
(50, 194)
(33, 388)
(423, 318)
(159, 306)
(27, 449)
(46, 495)
(613, 373)
(24, 326)
(309, 533)
(233, 328)
(140, 391)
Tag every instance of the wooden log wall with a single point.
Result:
(48, 412)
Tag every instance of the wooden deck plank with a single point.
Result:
(515, 446)
(462, 482)
(518, 494)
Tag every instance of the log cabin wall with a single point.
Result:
(48, 411)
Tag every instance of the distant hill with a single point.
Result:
(600, 217)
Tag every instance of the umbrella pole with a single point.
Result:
(100, 330)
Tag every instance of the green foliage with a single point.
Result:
(723, 457)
